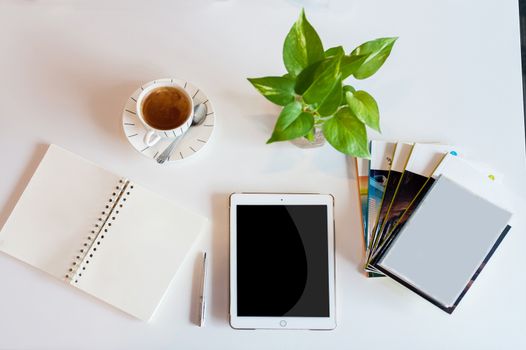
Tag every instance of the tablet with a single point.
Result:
(282, 261)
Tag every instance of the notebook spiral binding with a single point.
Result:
(96, 235)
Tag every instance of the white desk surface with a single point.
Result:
(68, 66)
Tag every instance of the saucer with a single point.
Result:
(194, 140)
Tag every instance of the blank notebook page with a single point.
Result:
(140, 253)
(57, 210)
(445, 241)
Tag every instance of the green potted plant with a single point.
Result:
(315, 98)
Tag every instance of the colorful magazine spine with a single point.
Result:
(416, 178)
(400, 157)
(381, 159)
(362, 168)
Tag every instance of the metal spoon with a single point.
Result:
(198, 119)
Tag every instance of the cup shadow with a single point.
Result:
(107, 104)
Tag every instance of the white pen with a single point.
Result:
(202, 301)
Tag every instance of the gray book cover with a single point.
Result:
(445, 244)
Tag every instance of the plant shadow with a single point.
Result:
(264, 122)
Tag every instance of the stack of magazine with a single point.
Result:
(431, 219)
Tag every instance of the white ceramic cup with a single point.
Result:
(153, 135)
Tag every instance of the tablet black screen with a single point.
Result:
(282, 261)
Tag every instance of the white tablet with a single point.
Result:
(282, 261)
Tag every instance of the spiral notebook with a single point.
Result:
(100, 233)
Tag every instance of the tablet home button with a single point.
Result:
(283, 323)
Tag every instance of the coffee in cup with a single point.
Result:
(164, 107)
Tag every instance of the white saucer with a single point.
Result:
(193, 141)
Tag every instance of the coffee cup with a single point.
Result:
(165, 109)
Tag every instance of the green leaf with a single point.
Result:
(377, 52)
(332, 101)
(279, 90)
(302, 46)
(364, 107)
(292, 123)
(310, 135)
(345, 89)
(350, 64)
(348, 88)
(306, 77)
(333, 51)
(347, 134)
(325, 78)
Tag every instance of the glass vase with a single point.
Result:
(319, 140)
